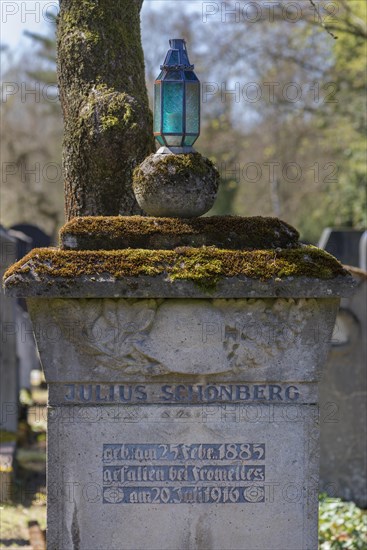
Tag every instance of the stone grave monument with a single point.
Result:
(182, 356)
(182, 381)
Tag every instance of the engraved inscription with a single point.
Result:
(153, 473)
(180, 393)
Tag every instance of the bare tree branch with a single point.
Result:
(326, 27)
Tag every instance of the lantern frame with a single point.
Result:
(176, 61)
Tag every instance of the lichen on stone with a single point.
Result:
(204, 266)
(181, 165)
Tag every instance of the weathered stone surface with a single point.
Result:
(140, 340)
(205, 272)
(179, 377)
(93, 451)
(147, 287)
(178, 186)
(343, 402)
(228, 232)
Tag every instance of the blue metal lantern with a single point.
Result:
(177, 99)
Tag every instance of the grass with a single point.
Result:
(342, 525)
(14, 523)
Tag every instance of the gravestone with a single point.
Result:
(8, 372)
(342, 243)
(183, 402)
(26, 348)
(25, 343)
(37, 236)
(9, 367)
(343, 399)
(24, 243)
(363, 251)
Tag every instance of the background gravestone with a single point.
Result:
(343, 244)
(8, 354)
(343, 400)
(343, 388)
(9, 383)
(37, 236)
(363, 252)
(27, 236)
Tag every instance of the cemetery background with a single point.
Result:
(309, 198)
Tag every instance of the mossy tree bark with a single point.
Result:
(107, 121)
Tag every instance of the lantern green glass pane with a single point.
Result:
(173, 141)
(189, 141)
(160, 140)
(172, 107)
(192, 107)
(157, 108)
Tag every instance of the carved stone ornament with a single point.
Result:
(151, 337)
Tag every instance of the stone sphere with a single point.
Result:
(176, 185)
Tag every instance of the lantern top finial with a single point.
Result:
(177, 57)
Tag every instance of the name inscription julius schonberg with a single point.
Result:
(205, 473)
(179, 393)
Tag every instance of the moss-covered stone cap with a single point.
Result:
(305, 271)
(228, 232)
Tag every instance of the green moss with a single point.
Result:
(205, 272)
(109, 122)
(179, 166)
(228, 232)
(204, 266)
(184, 164)
(7, 437)
(112, 110)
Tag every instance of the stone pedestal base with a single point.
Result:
(170, 477)
(183, 403)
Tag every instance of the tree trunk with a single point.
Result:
(107, 121)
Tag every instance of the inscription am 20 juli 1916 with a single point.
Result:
(205, 473)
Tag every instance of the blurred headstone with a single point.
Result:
(8, 354)
(26, 346)
(23, 241)
(39, 238)
(343, 244)
(8, 371)
(343, 402)
(363, 251)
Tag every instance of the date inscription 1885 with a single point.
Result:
(204, 473)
